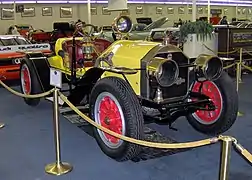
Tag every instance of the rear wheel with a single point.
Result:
(114, 105)
(225, 98)
(29, 82)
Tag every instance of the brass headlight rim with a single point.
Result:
(218, 74)
(175, 76)
(115, 26)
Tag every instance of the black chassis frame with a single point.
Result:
(169, 111)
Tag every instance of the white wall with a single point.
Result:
(80, 12)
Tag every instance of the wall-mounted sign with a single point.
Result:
(117, 5)
(7, 13)
(216, 11)
(242, 37)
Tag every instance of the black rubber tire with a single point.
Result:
(132, 111)
(229, 112)
(35, 85)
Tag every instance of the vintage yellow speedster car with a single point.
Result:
(131, 83)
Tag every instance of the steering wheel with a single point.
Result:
(84, 29)
(88, 30)
(92, 29)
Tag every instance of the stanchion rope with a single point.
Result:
(125, 138)
(245, 153)
(128, 139)
(248, 52)
(136, 141)
(31, 96)
(242, 151)
(242, 64)
(229, 66)
(224, 53)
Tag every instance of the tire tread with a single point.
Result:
(135, 124)
(229, 114)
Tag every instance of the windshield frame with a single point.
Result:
(157, 24)
(14, 41)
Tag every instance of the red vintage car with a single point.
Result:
(63, 30)
(21, 29)
(60, 30)
(12, 51)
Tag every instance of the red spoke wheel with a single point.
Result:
(211, 90)
(29, 82)
(109, 114)
(114, 105)
(222, 93)
(25, 79)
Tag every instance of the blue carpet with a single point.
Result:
(27, 146)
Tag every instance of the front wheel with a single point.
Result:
(114, 105)
(29, 82)
(225, 98)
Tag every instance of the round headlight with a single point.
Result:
(167, 73)
(122, 24)
(208, 67)
(213, 68)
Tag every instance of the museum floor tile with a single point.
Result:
(27, 146)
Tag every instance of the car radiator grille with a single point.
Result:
(178, 90)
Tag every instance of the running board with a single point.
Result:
(61, 102)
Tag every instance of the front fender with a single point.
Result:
(129, 54)
(42, 69)
(91, 76)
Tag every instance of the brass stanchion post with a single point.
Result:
(243, 152)
(240, 66)
(57, 168)
(238, 76)
(225, 157)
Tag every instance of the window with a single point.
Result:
(10, 41)
(249, 26)
(139, 27)
(22, 41)
(23, 27)
(158, 36)
(243, 25)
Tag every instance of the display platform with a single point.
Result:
(27, 146)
